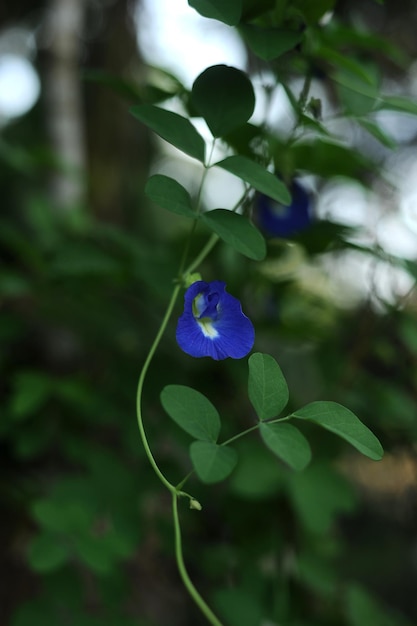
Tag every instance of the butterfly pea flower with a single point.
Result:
(280, 220)
(213, 323)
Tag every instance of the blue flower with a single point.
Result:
(213, 323)
(279, 220)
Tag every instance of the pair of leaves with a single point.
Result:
(230, 12)
(231, 227)
(195, 414)
(173, 198)
(268, 393)
(223, 96)
(266, 43)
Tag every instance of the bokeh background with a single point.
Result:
(87, 265)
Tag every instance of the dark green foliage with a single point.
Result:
(224, 97)
(303, 531)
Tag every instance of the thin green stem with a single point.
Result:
(242, 434)
(274, 420)
(186, 250)
(302, 100)
(196, 262)
(210, 243)
(204, 608)
(202, 255)
(141, 381)
(184, 480)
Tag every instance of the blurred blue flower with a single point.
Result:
(213, 323)
(279, 220)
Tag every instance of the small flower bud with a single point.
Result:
(194, 504)
(191, 278)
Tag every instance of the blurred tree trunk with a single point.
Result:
(103, 151)
(64, 28)
(119, 148)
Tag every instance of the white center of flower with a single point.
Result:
(280, 210)
(207, 328)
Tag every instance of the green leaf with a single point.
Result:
(287, 443)
(227, 11)
(224, 97)
(341, 421)
(212, 463)
(377, 132)
(348, 65)
(47, 553)
(354, 102)
(398, 103)
(170, 195)
(94, 552)
(368, 88)
(138, 92)
(174, 128)
(192, 411)
(255, 8)
(237, 231)
(32, 390)
(313, 11)
(257, 176)
(63, 515)
(267, 387)
(326, 158)
(269, 43)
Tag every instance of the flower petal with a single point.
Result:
(225, 332)
(284, 221)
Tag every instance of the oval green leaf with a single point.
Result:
(287, 443)
(224, 97)
(237, 231)
(63, 516)
(192, 411)
(211, 462)
(228, 12)
(376, 131)
(257, 176)
(170, 195)
(399, 103)
(47, 552)
(174, 128)
(32, 390)
(269, 43)
(326, 158)
(267, 387)
(341, 421)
